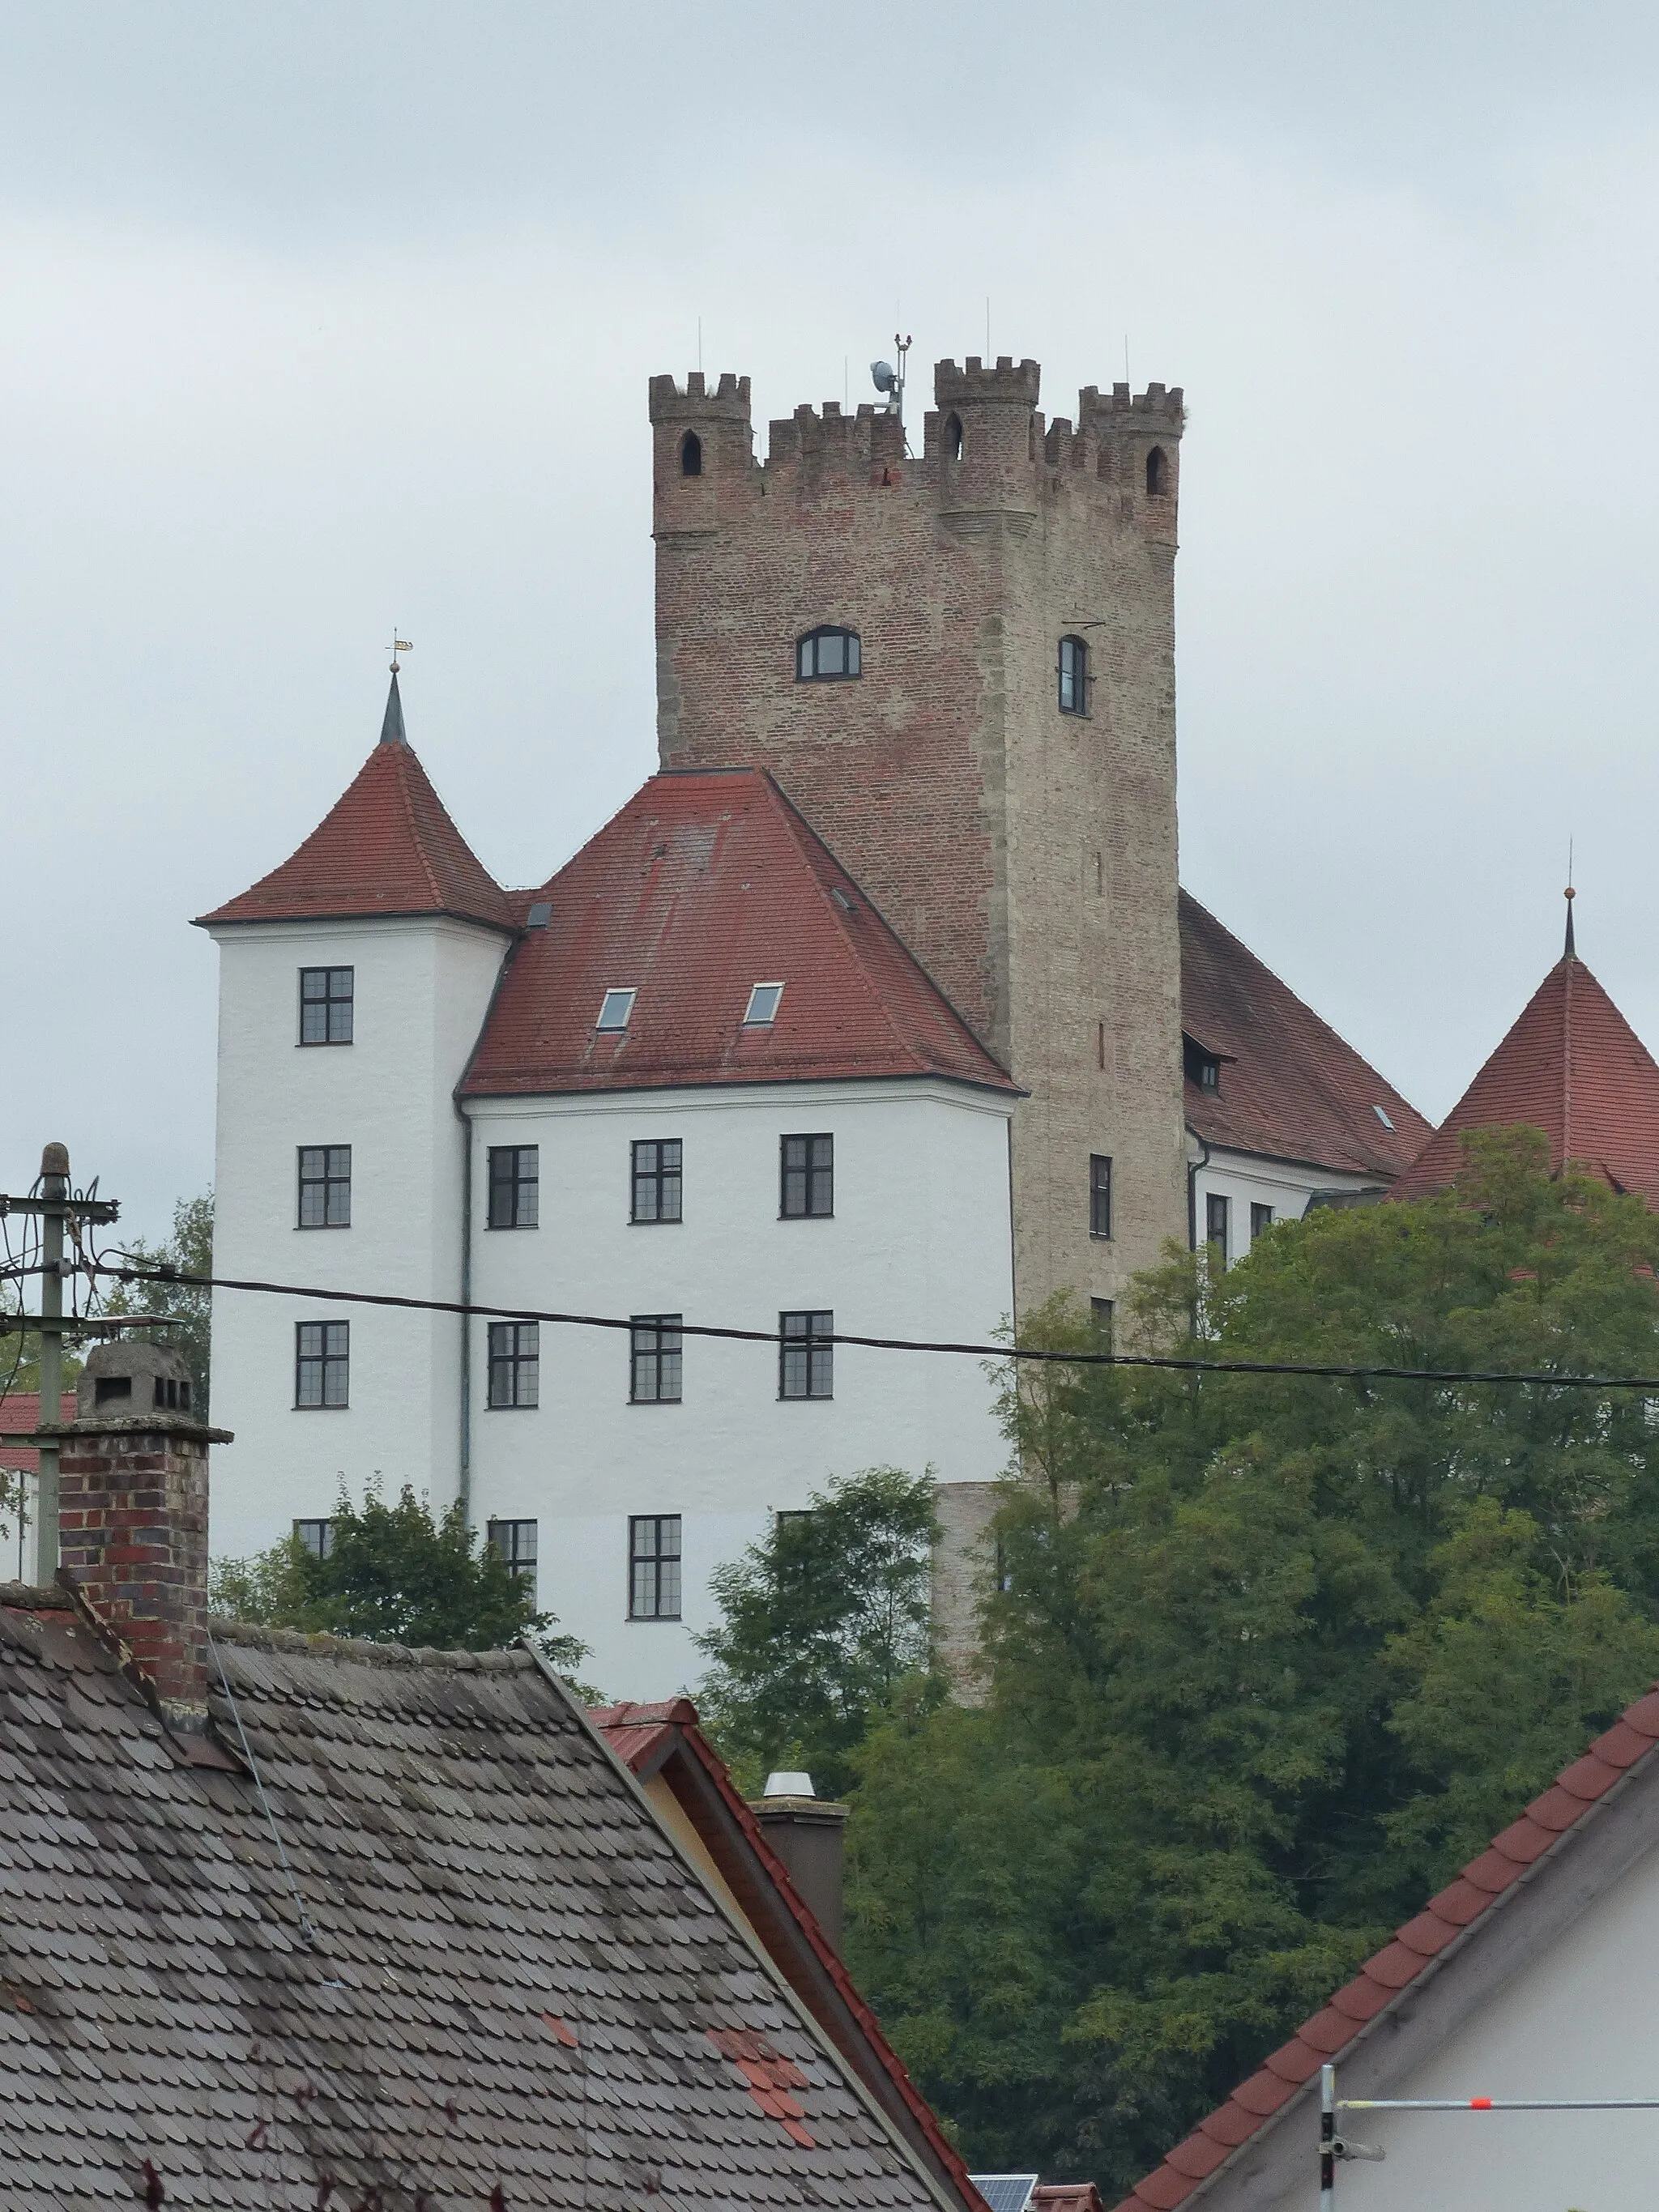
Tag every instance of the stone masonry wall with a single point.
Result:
(1026, 856)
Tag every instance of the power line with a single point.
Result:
(1341, 1371)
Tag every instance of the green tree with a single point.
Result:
(394, 1575)
(1268, 1655)
(822, 1621)
(189, 1249)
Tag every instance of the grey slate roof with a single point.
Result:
(516, 1983)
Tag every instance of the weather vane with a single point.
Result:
(398, 645)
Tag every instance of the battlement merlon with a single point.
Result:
(1154, 410)
(975, 386)
(693, 402)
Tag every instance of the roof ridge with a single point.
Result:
(406, 754)
(258, 1636)
(1419, 1947)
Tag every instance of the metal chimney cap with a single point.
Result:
(789, 1785)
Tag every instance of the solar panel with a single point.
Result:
(1004, 2193)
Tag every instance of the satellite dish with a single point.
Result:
(882, 375)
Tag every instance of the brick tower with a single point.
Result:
(1008, 804)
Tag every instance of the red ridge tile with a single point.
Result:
(1264, 2093)
(1643, 1714)
(1588, 1778)
(1395, 1966)
(1623, 1745)
(1197, 2156)
(1293, 2061)
(1493, 1871)
(1163, 2188)
(1361, 1999)
(1459, 1903)
(1231, 2124)
(1428, 1935)
(1523, 1840)
(1557, 1809)
(1326, 2031)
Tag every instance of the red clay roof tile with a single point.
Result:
(386, 846)
(703, 885)
(1557, 1809)
(1571, 1066)
(1428, 1935)
(1395, 1967)
(1198, 2155)
(1164, 2188)
(21, 1409)
(1289, 1086)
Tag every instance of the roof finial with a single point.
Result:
(1569, 952)
(392, 728)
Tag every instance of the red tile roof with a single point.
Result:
(1572, 1066)
(1548, 1825)
(636, 1733)
(1291, 1088)
(21, 1409)
(386, 846)
(703, 885)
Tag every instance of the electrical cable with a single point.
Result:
(1356, 1371)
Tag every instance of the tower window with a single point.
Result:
(325, 996)
(827, 655)
(515, 1365)
(654, 1566)
(809, 1178)
(322, 1363)
(691, 454)
(655, 1376)
(514, 1186)
(1073, 676)
(513, 1543)
(1157, 473)
(656, 1180)
(317, 1537)
(950, 437)
(1100, 1194)
(324, 1186)
(806, 1357)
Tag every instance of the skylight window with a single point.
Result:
(1383, 1117)
(763, 1006)
(616, 1011)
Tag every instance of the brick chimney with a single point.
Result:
(808, 1834)
(133, 1515)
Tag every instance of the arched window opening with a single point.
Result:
(951, 435)
(1157, 473)
(1073, 676)
(691, 454)
(827, 655)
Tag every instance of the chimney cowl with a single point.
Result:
(133, 1379)
(793, 1784)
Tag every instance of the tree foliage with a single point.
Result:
(822, 1620)
(394, 1575)
(1268, 1656)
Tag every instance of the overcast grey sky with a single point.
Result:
(316, 318)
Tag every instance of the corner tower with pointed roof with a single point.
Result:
(1571, 1066)
(354, 979)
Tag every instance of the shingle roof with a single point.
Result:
(1386, 1981)
(643, 1737)
(703, 885)
(20, 1410)
(516, 1979)
(1291, 1088)
(386, 846)
(1571, 1066)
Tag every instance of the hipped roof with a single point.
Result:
(1291, 1088)
(1572, 1066)
(702, 886)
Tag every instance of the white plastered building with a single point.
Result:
(594, 1098)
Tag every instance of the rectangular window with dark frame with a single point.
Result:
(656, 1180)
(1100, 1194)
(809, 1178)
(514, 1186)
(322, 1363)
(513, 1543)
(806, 1359)
(1261, 1216)
(655, 1375)
(326, 1187)
(326, 1003)
(317, 1536)
(1101, 1313)
(1218, 1224)
(654, 1566)
(515, 1363)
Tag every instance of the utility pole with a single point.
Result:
(54, 1202)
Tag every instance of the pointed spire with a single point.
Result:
(392, 729)
(1570, 951)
